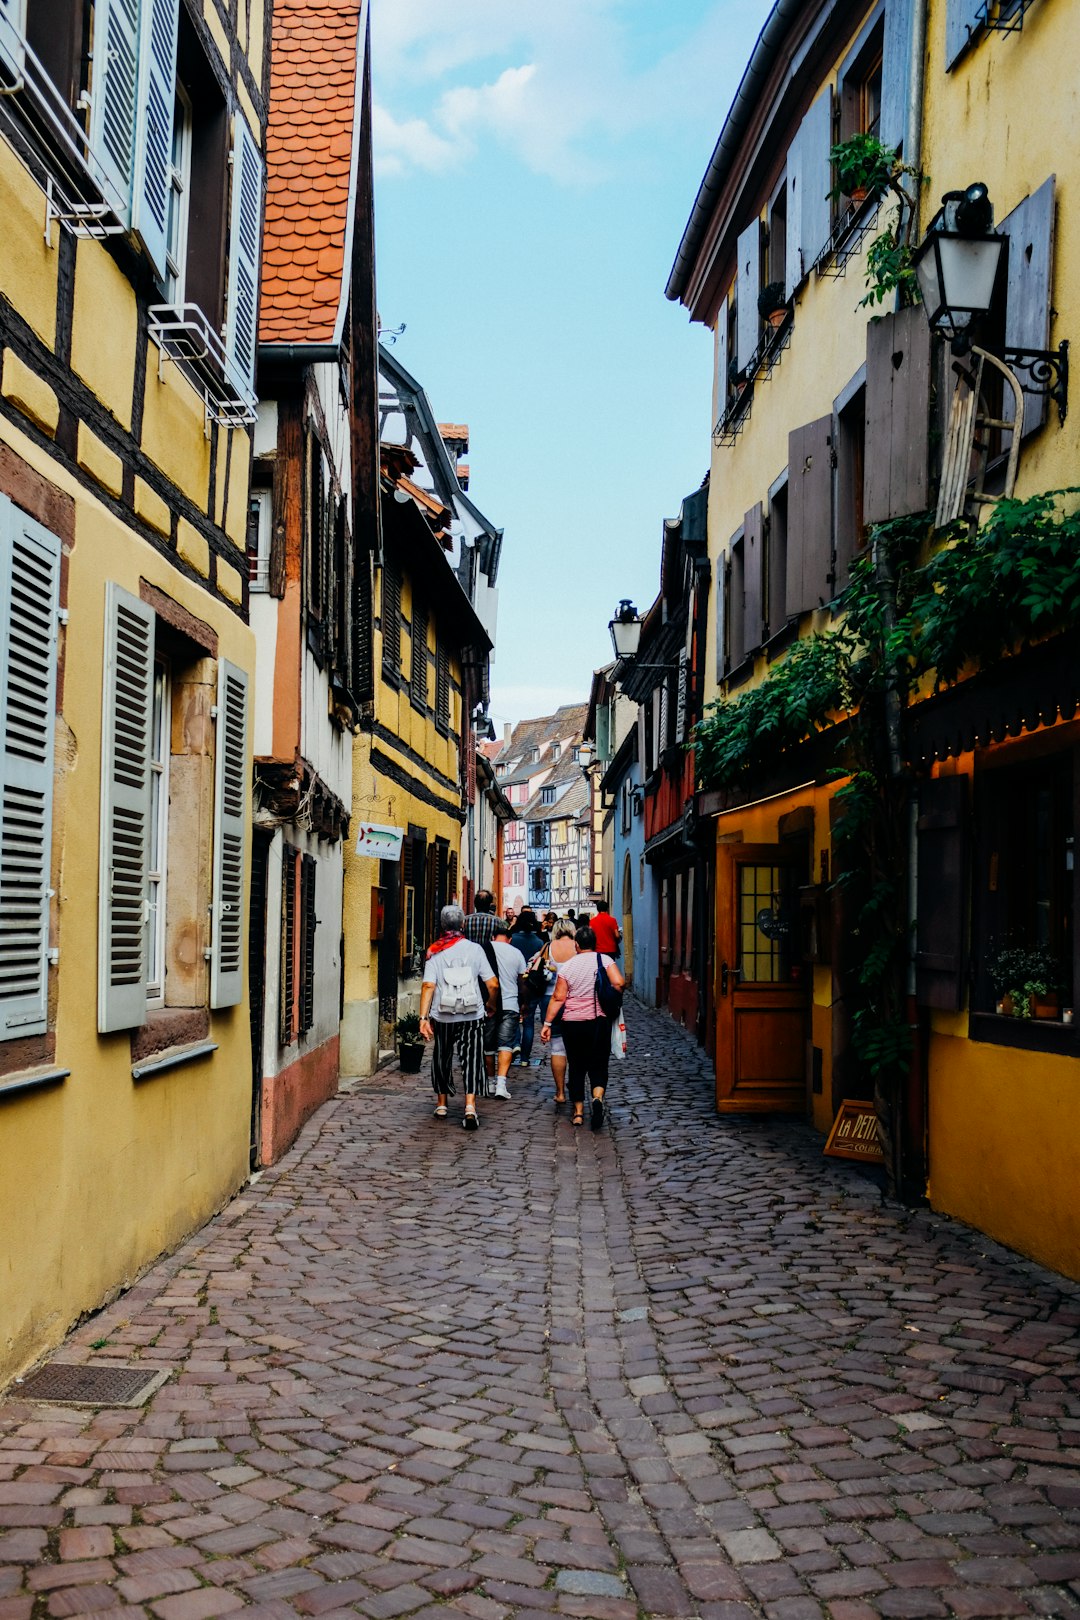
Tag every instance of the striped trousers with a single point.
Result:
(467, 1040)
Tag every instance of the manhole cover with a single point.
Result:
(67, 1385)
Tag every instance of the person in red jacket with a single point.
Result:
(607, 931)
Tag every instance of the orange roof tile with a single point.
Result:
(313, 66)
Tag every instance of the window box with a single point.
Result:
(185, 337)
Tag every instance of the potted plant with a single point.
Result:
(864, 166)
(410, 1043)
(772, 305)
(1027, 981)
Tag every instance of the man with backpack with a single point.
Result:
(458, 987)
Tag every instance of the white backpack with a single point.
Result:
(460, 990)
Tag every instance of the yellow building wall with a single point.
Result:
(1005, 1146)
(102, 1173)
(378, 798)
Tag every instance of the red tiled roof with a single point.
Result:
(308, 153)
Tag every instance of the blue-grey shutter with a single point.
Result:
(29, 594)
(12, 36)
(153, 146)
(896, 71)
(114, 95)
(748, 285)
(244, 233)
(1030, 229)
(962, 18)
(816, 144)
(794, 273)
(722, 361)
(127, 712)
(230, 835)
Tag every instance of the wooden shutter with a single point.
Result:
(153, 143)
(748, 286)
(1030, 229)
(896, 462)
(230, 832)
(452, 893)
(442, 685)
(114, 95)
(391, 624)
(809, 178)
(941, 923)
(736, 602)
(29, 595)
(962, 18)
(289, 857)
(363, 647)
(721, 618)
(309, 923)
(753, 577)
(809, 545)
(895, 71)
(245, 228)
(418, 680)
(12, 36)
(125, 810)
(722, 362)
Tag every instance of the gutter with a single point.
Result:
(297, 354)
(777, 26)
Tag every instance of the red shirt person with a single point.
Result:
(607, 931)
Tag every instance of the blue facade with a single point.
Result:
(633, 891)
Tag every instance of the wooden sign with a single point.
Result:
(855, 1134)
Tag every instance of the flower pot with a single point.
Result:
(857, 194)
(776, 318)
(411, 1056)
(1046, 1006)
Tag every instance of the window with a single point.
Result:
(442, 692)
(176, 240)
(547, 795)
(859, 104)
(850, 466)
(736, 627)
(539, 877)
(534, 755)
(160, 727)
(298, 924)
(556, 750)
(776, 560)
(260, 526)
(536, 837)
(29, 600)
(151, 885)
(776, 253)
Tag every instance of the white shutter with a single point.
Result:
(722, 360)
(125, 810)
(113, 96)
(747, 288)
(817, 178)
(896, 71)
(12, 36)
(230, 832)
(962, 18)
(793, 239)
(29, 593)
(244, 233)
(153, 148)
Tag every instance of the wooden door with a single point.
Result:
(762, 985)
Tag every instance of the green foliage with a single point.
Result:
(771, 298)
(863, 163)
(889, 269)
(1024, 971)
(407, 1028)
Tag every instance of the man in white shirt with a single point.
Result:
(457, 989)
(502, 1032)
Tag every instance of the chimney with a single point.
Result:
(508, 732)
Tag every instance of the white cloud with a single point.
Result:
(555, 85)
(412, 144)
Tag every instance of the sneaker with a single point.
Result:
(502, 1090)
(597, 1118)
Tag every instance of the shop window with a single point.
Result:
(1024, 873)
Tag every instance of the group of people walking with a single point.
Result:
(485, 979)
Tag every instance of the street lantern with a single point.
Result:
(958, 263)
(625, 629)
(585, 756)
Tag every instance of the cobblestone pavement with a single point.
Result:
(682, 1368)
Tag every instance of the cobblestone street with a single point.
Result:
(684, 1367)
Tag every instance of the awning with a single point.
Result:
(1034, 688)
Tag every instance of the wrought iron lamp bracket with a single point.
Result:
(1043, 371)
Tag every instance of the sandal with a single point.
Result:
(470, 1122)
(440, 1112)
(579, 1118)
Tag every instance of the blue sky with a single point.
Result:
(535, 166)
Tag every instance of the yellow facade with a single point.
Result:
(1003, 1130)
(104, 1170)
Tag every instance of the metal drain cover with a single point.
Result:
(74, 1385)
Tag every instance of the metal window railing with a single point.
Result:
(185, 337)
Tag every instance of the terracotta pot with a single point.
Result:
(776, 318)
(1046, 1007)
(858, 194)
